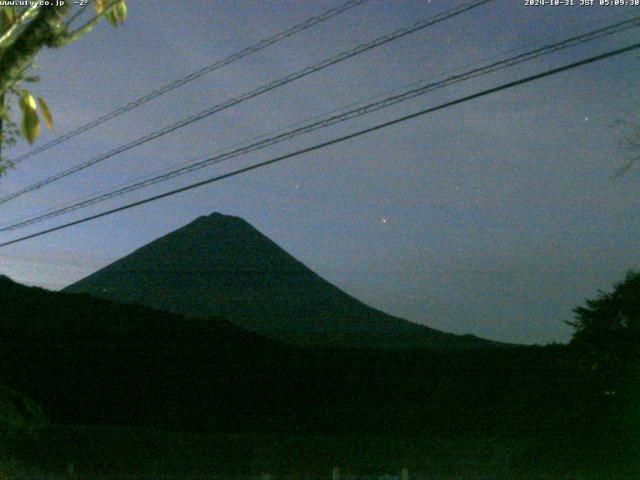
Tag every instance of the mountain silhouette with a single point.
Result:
(91, 361)
(222, 266)
(88, 361)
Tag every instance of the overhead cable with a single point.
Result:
(179, 82)
(249, 95)
(334, 119)
(334, 141)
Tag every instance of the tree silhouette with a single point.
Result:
(629, 139)
(611, 322)
(606, 351)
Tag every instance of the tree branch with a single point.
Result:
(626, 168)
(67, 38)
(24, 16)
(41, 31)
(77, 15)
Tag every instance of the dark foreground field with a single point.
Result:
(133, 375)
(120, 452)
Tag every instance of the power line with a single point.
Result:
(249, 95)
(334, 141)
(95, 197)
(611, 29)
(310, 22)
(331, 120)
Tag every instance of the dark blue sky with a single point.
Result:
(495, 217)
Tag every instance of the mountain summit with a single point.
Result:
(222, 266)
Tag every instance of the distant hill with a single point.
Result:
(93, 361)
(90, 361)
(221, 266)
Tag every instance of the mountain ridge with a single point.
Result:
(220, 265)
(91, 361)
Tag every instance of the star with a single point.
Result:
(384, 220)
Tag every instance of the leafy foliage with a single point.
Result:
(611, 322)
(24, 31)
(606, 345)
(114, 16)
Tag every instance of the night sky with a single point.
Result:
(495, 217)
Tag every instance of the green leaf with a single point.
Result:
(46, 113)
(27, 102)
(11, 14)
(112, 18)
(121, 11)
(30, 126)
(7, 17)
(99, 6)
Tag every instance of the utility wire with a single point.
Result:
(262, 136)
(334, 141)
(331, 120)
(310, 22)
(611, 29)
(254, 93)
